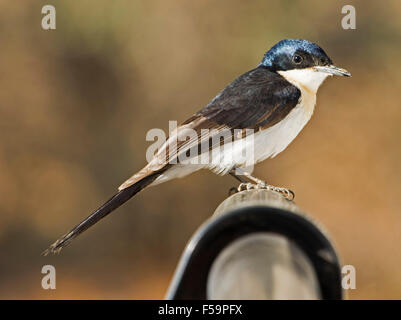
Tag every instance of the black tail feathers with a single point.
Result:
(112, 204)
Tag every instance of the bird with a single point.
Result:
(272, 102)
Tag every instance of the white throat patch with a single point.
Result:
(307, 79)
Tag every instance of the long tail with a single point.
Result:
(112, 204)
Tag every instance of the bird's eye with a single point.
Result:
(297, 59)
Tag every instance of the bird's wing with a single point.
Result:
(256, 100)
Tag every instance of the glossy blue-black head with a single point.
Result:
(290, 54)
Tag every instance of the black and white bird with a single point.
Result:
(274, 102)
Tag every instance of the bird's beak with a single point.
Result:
(333, 70)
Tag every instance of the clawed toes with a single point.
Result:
(286, 193)
(246, 186)
(263, 186)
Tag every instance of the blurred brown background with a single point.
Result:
(76, 103)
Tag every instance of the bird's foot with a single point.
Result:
(286, 193)
(246, 186)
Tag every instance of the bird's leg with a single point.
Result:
(244, 185)
(237, 177)
(259, 184)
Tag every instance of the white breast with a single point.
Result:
(278, 137)
(272, 141)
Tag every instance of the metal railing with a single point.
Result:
(258, 245)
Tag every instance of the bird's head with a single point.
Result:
(301, 62)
